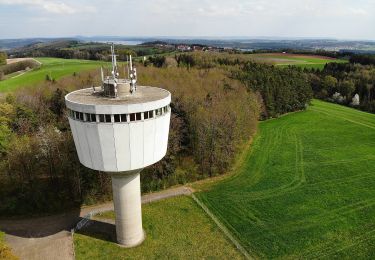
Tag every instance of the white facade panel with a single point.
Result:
(75, 138)
(136, 145)
(85, 156)
(107, 141)
(122, 143)
(92, 136)
(158, 151)
(166, 122)
(149, 141)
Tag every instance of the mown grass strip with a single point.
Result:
(223, 228)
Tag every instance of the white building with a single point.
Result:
(120, 130)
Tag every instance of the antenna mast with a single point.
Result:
(133, 76)
(115, 74)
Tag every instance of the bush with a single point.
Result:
(3, 58)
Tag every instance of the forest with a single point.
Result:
(351, 84)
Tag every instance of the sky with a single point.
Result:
(340, 19)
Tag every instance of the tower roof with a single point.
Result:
(144, 94)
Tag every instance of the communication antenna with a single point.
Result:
(127, 65)
(133, 76)
(114, 63)
(115, 73)
(131, 63)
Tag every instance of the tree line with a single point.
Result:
(351, 84)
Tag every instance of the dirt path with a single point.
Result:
(50, 238)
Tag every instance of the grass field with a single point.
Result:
(306, 189)
(176, 228)
(57, 68)
(304, 61)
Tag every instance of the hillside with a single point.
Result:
(55, 68)
(306, 188)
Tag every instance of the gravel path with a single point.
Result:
(49, 237)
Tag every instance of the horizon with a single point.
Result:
(190, 18)
(180, 37)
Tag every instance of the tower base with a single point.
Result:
(126, 189)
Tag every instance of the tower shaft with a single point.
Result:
(127, 202)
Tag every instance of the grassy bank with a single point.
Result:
(306, 189)
(176, 228)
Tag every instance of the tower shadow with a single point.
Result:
(40, 227)
(99, 229)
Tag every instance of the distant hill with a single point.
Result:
(224, 42)
(8, 44)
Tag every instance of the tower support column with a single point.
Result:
(126, 189)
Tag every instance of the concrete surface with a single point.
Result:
(127, 204)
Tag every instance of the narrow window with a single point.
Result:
(117, 118)
(81, 116)
(101, 118)
(158, 112)
(151, 114)
(87, 117)
(139, 116)
(108, 118)
(145, 115)
(123, 118)
(93, 117)
(132, 117)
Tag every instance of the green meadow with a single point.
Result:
(303, 61)
(306, 188)
(176, 228)
(56, 68)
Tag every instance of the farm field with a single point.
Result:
(306, 188)
(55, 67)
(176, 228)
(304, 61)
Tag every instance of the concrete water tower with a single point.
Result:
(121, 128)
